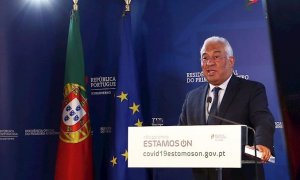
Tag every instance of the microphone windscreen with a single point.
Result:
(209, 99)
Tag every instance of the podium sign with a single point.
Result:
(211, 146)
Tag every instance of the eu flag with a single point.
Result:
(128, 108)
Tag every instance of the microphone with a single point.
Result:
(208, 101)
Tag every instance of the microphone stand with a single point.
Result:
(254, 140)
(209, 100)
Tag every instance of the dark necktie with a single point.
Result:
(214, 108)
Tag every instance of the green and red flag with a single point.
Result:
(74, 156)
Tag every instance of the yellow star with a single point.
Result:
(114, 161)
(139, 123)
(123, 96)
(134, 108)
(125, 154)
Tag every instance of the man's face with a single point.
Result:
(216, 67)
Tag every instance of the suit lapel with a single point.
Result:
(231, 91)
(202, 101)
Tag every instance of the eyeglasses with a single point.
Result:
(216, 58)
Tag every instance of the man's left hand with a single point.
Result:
(266, 153)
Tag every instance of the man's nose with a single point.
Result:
(210, 62)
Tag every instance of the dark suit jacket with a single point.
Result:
(244, 102)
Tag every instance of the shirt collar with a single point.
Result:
(223, 86)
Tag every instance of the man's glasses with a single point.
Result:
(205, 59)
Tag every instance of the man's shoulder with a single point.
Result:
(199, 90)
(248, 83)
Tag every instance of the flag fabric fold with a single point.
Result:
(74, 155)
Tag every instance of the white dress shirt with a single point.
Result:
(210, 93)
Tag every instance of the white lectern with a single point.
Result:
(209, 146)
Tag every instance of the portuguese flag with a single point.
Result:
(74, 156)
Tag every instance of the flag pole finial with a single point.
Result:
(127, 6)
(75, 5)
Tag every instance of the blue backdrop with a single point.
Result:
(167, 36)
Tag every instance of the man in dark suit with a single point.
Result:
(236, 99)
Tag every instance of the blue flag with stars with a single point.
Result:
(128, 109)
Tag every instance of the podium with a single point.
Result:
(209, 146)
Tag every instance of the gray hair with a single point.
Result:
(228, 48)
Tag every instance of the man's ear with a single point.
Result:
(232, 61)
